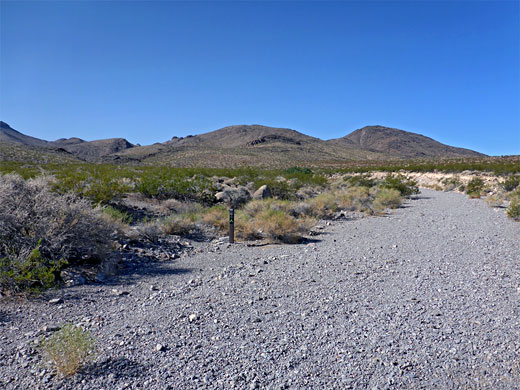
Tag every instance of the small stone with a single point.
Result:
(56, 301)
(193, 317)
(160, 347)
(49, 328)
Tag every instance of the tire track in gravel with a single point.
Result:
(425, 297)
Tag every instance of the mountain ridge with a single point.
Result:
(253, 145)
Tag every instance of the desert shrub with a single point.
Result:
(30, 273)
(99, 183)
(298, 170)
(117, 215)
(68, 349)
(41, 230)
(360, 180)
(451, 183)
(274, 225)
(256, 206)
(165, 183)
(217, 216)
(511, 183)
(513, 210)
(150, 231)
(406, 186)
(474, 187)
(354, 198)
(323, 205)
(387, 198)
(178, 224)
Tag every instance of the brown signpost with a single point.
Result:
(231, 225)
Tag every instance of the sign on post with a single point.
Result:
(231, 225)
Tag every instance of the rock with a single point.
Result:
(160, 348)
(193, 317)
(49, 328)
(119, 292)
(263, 192)
(234, 195)
(56, 301)
(229, 182)
(72, 278)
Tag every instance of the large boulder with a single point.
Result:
(263, 192)
(234, 196)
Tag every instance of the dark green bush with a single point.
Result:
(401, 183)
(511, 183)
(475, 187)
(168, 183)
(32, 274)
(361, 181)
(297, 170)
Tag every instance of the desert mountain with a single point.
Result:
(10, 135)
(85, 150)
(402, 144)
(251, 145)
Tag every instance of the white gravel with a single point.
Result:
(426, 297)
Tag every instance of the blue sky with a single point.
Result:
(148, 71)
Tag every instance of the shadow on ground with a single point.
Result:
(121, 367)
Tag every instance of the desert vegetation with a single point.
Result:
(42, 231)
(56, 216)
(68, 349)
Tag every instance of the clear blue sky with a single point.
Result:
(148, 71)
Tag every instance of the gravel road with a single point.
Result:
(427, 297)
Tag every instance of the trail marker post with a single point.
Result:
(231, 225)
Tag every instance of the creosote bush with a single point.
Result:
(40, 231)
(475, 187)
(401, 183)
(117, 215)
(513, 210)
(511, 183)
(68, 349)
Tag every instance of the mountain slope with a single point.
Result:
(250, 145)
(402, 144)
(10, 135)
(85, 150)
(241, 145)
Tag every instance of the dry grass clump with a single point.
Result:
(68, 349)
(323, 205)
(273, 224)
(387, 198)
(40, 231)
(178, 224)
(354, 199)
(217, 216)
(513, 210)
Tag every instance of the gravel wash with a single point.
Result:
(426, 297)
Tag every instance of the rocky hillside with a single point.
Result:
(401, 144)
(252, 145)
(84, 150)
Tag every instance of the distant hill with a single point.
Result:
(8, 134)
(402, 144)
(85, 150)
(251, 145)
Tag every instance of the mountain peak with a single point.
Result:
(401, 143)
